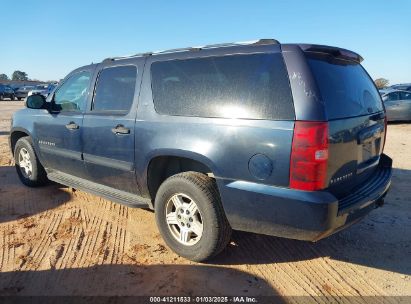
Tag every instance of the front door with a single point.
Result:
(108, 128)
(60, 132)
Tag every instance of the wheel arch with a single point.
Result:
(163, 165)
(15, 135)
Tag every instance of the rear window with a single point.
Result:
(345, 87)
(236, 86)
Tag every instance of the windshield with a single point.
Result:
(345, 87)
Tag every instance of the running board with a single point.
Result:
(118, 196)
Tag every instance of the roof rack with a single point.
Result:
(198, 48)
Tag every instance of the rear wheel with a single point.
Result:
(190, 216)
(1, 97)
(29, 168)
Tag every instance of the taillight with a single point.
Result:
(309, 155)
(385, 132)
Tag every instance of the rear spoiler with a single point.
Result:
(334, 51)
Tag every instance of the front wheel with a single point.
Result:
(190, 216)
(29, 168)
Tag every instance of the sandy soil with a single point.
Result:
(56, 241)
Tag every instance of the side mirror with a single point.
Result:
(36, 102)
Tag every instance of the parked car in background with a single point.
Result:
(398, 105)
(50, 89)
(6, 92)
(14, 86)
(22, 92)
(402, 87)
(42, 89)
(38, 89)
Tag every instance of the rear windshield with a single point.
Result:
(237, 86)
(345, 87)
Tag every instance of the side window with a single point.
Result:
(115, 89)
(254, 86)
(72, 95)
(405, 95)
(392, 96)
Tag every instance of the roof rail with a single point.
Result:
(127, 56)
(198, 48)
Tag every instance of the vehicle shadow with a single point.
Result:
(18, 201)
(399, 122)
(382, 240)
(135, 280)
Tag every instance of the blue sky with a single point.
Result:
(48, 39)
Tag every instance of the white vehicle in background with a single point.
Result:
(42, 89)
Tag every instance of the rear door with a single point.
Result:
(108, 137)
(356, 116)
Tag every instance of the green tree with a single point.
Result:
(19, 75)
(4, 77)
(381, 83)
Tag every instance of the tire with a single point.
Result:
(31, 173)
(188, 188)
(1, 97)
(18, 98)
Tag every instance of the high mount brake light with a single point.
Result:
(309, 156)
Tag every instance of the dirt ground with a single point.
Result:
(56, 241)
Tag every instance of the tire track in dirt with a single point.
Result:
(345, 272)
(286, 278)
(324, 277)
(315, 276)
(40, 248)
(75, 222)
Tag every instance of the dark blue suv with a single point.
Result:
(280, 139)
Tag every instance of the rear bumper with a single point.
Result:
(302, 215)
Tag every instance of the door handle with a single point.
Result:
(120, 129)
(72, 126)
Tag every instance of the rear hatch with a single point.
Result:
(356, 120)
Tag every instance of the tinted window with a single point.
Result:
(345, 87)
(392, 96)
(72, 95)
(239, 86)
(405, 95)
(115, 89)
